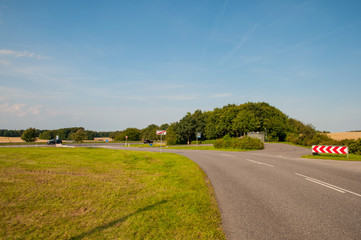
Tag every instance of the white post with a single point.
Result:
(161, 143)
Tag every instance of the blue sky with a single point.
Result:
(109, 65)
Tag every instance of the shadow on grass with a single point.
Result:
(120, 220)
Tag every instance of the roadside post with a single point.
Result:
(199, 135)
(126, 138)
(161, 133)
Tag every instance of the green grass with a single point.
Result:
(200, 147)
(293, 144)
(23, 143)
(186, 147)
(60, 193)
(341, 157)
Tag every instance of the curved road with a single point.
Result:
(275, 194)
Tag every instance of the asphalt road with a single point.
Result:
(275, 194)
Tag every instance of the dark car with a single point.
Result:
(54, 141)
(147, 141)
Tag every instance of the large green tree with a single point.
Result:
(244, 122)
(150, 132)
(171, 136)
(79, 136)
(133, 134)
(50, 134)
(29, 135)
(186, 128)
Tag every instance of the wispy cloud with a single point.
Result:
(221, 95)
(326, 34)
(18, 109)
(5, 62)
(178, 97)
(215, 28)
(18, 54)
(243, 40)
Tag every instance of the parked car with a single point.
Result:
(54, 141)
(147, 141)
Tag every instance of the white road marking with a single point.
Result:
(325, 184)
(227, 155)
(268, 165)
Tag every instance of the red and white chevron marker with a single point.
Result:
(329, 149)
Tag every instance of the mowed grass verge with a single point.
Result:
(59, 193)
(193, 147)
(339, 157)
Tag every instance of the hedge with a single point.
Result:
(239, 143)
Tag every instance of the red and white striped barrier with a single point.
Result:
(329, 149)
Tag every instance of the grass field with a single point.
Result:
(340, 157)
(186, 147)
(57, 193)
(200, 147)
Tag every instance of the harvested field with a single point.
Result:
(19, 140)
(345, 135)
(16, 140)
(102, 139)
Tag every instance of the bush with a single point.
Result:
(323, 139)
(236, 143)
(79, 136)
(29, 135)
(353, 145)
(251, 143)
(218, 143)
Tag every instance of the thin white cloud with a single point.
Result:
(215, 28)
(243, 40)
(325, 35)
(18, 109)
(221, 95)
(18, 54)
(5, 62)
(178, 97)
(9, 93)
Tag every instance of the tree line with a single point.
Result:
(63, 133)
(229, 121)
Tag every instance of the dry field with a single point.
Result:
(102, 139)
(345, 135)
(19, 140)
(16, 140)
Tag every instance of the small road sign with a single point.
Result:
(199, 135)
(161, 132)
